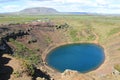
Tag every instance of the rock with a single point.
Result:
(40, 78)
(74, 75)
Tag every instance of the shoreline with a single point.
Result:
(53, 46)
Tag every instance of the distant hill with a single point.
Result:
(44, 11)
(77, 13)
(38, 10)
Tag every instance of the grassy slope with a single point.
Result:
(104, 26)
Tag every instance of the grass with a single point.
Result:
(30, 58)
(48, 40)
(117, 67)
(91, 38)
(17, 74)
(20, 47)
(73, 34)
(104, 26)
(82, 29)
(25, 53)
(114, 30)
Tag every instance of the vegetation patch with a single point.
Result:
(117, 67)
(48, 40)
(83, 30)
(91, 37)
(28, 56)
(17, 73)
(74, 34)
(113, 31)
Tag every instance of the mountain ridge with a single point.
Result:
(44, 11)
(38, 10)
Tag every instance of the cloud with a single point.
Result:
(11, 8)
(102, 2)
(99, 6)
(6, 1)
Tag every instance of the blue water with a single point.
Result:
(80, 57)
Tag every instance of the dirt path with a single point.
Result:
(117, 34)
(96, 39)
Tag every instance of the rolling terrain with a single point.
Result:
(32, 37)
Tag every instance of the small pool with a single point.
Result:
(80, 57)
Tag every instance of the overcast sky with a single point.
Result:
(97, 6)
